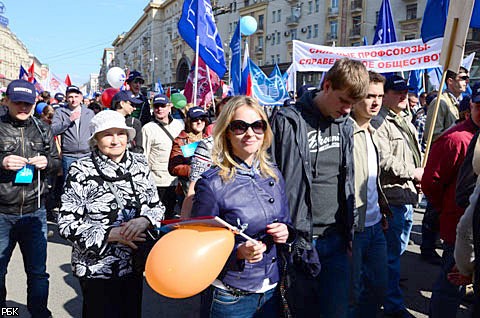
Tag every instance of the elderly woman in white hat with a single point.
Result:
(110, 200)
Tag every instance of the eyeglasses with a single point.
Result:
(464, 77)
(193, 120)
(239, 127)
(138, 81)
(160, 105)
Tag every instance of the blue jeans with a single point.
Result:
(224, 304)
(369, 271)
(327, 294)
(66, 163)
(429, 229)
(30, 231)
(446, 297)
(398, 234)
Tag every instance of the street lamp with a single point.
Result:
(153, 59)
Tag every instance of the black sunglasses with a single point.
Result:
(464, 77)
(239, 127)
(160, 105)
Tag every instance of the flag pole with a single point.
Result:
(448, 56)
(197, 48)
(211, 88)
(294, 72)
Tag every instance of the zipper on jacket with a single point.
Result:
(23, 154)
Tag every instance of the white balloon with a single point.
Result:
(116, 77)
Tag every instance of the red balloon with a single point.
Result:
(107, 96)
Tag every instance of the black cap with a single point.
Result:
(125, 96)
(396, 83)
(73, 89)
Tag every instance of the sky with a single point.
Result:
(68, 35)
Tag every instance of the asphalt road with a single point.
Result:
(65, 297)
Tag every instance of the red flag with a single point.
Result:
(31, 73)
(204, 93)
(68, 81)
(169, 91)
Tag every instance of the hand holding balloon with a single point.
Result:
(251, 251)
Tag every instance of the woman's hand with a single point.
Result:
(116, 236)
(251, 252)
(279, 232)
(134, 227)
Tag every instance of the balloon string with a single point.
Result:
(236, 230)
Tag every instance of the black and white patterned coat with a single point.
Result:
(90, 210)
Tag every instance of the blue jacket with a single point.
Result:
(253, 200)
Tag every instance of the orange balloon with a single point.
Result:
(187, 260)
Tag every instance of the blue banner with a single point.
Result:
(267, 90)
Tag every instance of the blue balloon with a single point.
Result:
(248, 25)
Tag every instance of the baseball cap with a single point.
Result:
(21, 91)
(396, 83)
(109, 119)
(134, 75)
(73, 89)
(476, 93)
(60, 97)
(160, 99)
(125, 96)
(196, 112)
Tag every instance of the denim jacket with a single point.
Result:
(249, 199)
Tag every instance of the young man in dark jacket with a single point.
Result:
(313, 149)
(27, 154)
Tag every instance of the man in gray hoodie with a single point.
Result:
(72, 124)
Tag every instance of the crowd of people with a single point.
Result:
(325, 187)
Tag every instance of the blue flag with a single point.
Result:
(23, 73)
(385, 31)
(235, 63)
(435, 19)
(415, 82)
(197, 19)
(267, 90)
(365, 40)
(159, 89)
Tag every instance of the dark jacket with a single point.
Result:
(291, 153)
(466, 178)
(26, 139)
(136, 144)
(252, 200)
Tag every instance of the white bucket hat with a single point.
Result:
(109, 119)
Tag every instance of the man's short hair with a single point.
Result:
(453, 75)
(375, 77)
(349, 75)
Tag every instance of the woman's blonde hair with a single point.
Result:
(222, 154)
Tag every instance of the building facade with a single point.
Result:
(154, 47)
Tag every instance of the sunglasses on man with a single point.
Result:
(239, 127)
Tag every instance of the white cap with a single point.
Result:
(107, 119)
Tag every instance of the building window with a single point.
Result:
(310, 7)
(377, 15)
(315, 30)
(334, 3)
(260, 22)
(260, 41)
(409, 37)
(278, 37)
(356, 44)
(293, 34)
(274, 16)
(234, 6)
(309, 32)
(333, 29)
(260, 62)
(279, 15)
(317, 5)
(273, 59)
(230, 27)
(273, 38)
(278, 58)
(411, 11)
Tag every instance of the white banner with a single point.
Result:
(381, 58)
